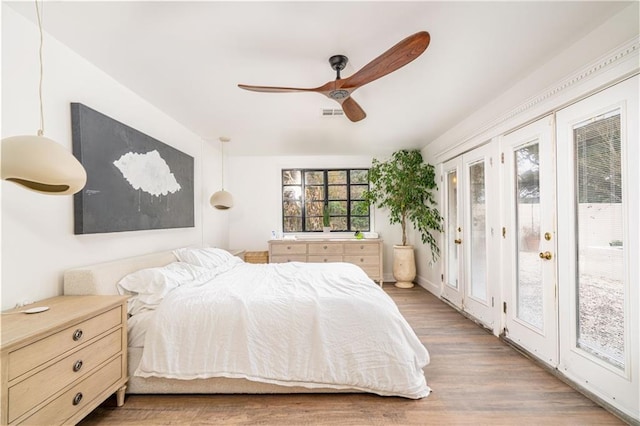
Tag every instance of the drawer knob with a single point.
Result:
(288, 247)
(77, 365)
(77, 335)
(325, 260)
(361, 247)
(77, 398)
(361, 260)
(325, 247)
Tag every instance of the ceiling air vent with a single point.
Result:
(330, 112)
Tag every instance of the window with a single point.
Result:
(305, 193)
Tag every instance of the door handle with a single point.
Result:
(458, 241)
(546, 255)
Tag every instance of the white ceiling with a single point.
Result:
(186, 58)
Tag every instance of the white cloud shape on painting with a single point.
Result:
(147, 172)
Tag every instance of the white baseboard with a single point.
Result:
(430, 286)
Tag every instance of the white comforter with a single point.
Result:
(292, 324)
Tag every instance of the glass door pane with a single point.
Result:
(599, 238)
(454, 287)
(598, 244)
(452, 229)
(478, 243)
(529, 285)
(529, 260)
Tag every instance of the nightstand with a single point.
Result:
(238, 252)
(60, 364)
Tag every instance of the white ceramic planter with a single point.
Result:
(404, 266)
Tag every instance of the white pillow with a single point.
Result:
(207, 257)
(149, 286)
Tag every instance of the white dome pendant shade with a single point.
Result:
(41, 165)
(222, 200)
(38, 163)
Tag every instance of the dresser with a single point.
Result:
(366, 253)
(60, 364)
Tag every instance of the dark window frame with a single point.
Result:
(303, 207)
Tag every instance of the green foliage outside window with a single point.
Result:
(308, 193)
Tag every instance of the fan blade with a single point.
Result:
(352, 110)
(398, 56)
(272, 89)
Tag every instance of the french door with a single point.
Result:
(529, 239)
(471, 210)
(598, 215)
(453, 269)
(568, 247)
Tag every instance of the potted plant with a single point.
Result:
(404, 185)
(326, 222)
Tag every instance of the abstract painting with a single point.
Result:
(134, 182)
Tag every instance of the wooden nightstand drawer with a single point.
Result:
(29, 357)
(288, 248)
(324, 248)
(65, 407)
(29, 392)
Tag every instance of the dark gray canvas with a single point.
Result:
(134, 182)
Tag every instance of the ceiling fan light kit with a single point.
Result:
(340, 89)
(39, 163)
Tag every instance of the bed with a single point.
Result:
(203, 321)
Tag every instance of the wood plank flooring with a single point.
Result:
(476, 380)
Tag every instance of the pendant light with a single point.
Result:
(39, 163)
(222, 200)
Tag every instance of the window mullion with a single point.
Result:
(304, 199)
(348, 200)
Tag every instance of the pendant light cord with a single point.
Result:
(222, 162)
(38, 13)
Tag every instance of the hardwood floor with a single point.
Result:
(476, 380)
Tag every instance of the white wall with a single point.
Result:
(38, 243)
(255, 183)
(554, 83)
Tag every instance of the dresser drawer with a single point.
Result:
(29, 357)
(363, 261)
(285, 258)
(324, 259)
(292, 248)
(69, 403)
(324, 248)
(372, 272)
(30, 392)
(362, 248)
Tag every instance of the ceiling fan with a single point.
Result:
(340, 89)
